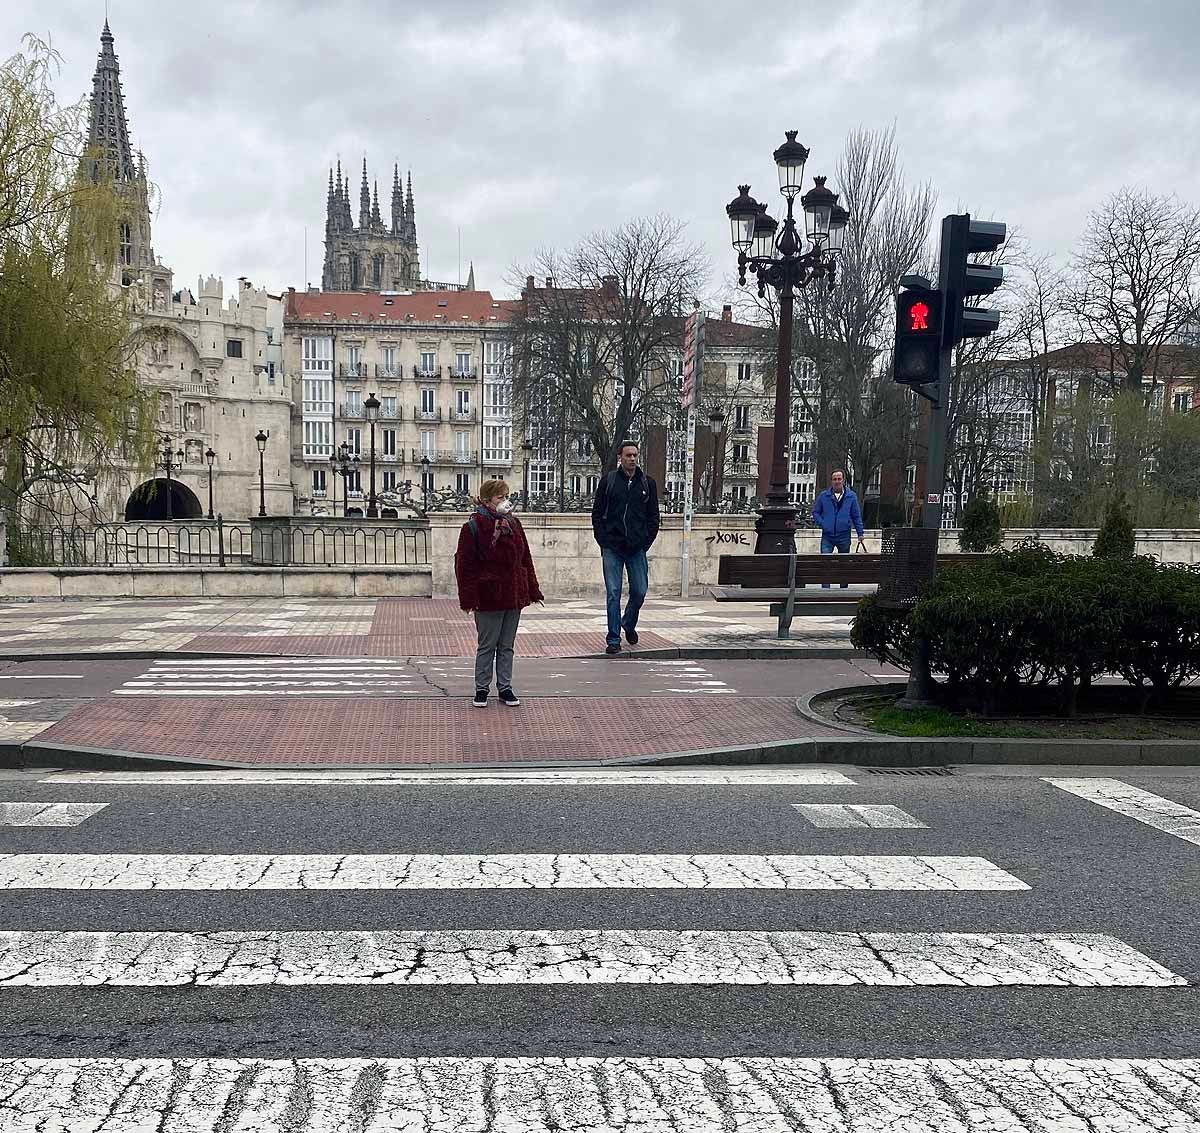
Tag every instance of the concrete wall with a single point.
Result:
(214, 582)
(568, 560)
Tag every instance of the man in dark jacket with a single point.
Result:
(625, 523)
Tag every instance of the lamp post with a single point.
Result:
(527, 449)
(169, 461)
(425, 474)
(716, 422)
(344, 463)
(780, 263)
(210, 457)
(260, 439)
(371, 408)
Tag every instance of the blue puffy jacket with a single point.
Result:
(836, 519)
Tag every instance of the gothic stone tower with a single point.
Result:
(373, 256)
(112, 156)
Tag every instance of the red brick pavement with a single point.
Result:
(267, 732)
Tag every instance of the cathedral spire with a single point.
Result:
(329, 199)
(376, 219)
(471, 277)
(410, 216)
(108, 129)
(364, 201)
(397, 201)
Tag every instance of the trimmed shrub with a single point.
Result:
(1028, 617)
(1116, 539)
(981, 530)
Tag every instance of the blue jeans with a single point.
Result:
(615, 563)
(828, 544)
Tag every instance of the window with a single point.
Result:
(462, 362)
(427, 402)
(318, 482)
(270, 373)
(497, 399)
(541, 479)
(462, 482)
(233, 348)
(377, 268)
(428, 361)
(583, 447)
(428, 442)
(495, 360)
(389, 479)
(354, 362)
(593, 482)
(576, 484)
(462, 402)
(462, 446)
(740, 493)
(126, 244)
(318, 396)
(354, 482)
(318, 438)
(497, 444)
(354, 402)
(741, 418)
(743, 371)
(354, 440)
(1181, 402)
(427, 481)
(317, 355)
(389, 361)
(389, 442)
(741, 454)
(387, 407)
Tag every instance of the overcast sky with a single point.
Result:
(528, 125)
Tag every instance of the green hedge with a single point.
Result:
(1028, 616)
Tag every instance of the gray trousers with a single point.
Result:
(497, 635)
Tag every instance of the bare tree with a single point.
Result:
(594, 347)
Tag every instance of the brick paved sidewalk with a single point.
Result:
(385, 627)
(267, 732)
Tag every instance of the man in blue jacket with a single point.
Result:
(837, 513)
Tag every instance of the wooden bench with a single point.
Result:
(775, 579)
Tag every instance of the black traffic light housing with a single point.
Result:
(917, 355)
(960, 279)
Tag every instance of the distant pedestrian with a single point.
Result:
(837, 513)
(496, 581)
(625, 522)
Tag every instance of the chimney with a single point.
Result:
(529, 284)
(609, 287)
(549, 281)
(727, 313)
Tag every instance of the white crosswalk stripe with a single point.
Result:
(501, 871)
(1151, 810)
(47, 814)
(277, 676)
(834, 816)
(597, 956)
(600, 1095)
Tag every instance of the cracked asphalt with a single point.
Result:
(1095, 954)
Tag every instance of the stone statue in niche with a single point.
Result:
(158, 347)
(165, 416)
(193, 416)
(160, 295)
(193, 452)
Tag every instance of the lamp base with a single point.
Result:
(776, 528)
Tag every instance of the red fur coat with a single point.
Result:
(495, 574)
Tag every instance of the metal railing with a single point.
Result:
(352, 369)
(432, 415)
(434, 375)
(342, 544)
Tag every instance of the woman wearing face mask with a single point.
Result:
(496, 581)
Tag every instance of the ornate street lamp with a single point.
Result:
(716, 422)
(371, 408)
(169, 461)
(260, 439)
(210, 457)
(780, 262)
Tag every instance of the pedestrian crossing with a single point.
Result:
(434, 927)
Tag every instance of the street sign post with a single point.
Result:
(693, 351)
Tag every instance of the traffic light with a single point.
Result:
(916, 357)
(960, 279)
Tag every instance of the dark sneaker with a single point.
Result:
(611, 649)
(631, 636)
(509, 697)
(481, 698)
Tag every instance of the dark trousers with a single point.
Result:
(840, 542)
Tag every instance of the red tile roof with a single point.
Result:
(423, 306)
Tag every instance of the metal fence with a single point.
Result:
(216, 543)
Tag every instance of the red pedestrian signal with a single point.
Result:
(917, 356)
(918, 316)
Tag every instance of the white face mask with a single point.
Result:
(504, 506)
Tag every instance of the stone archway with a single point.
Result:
(148, 501)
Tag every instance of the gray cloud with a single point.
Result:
(528, 125)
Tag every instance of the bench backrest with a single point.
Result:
(772, 570)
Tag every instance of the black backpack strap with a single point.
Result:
(475, 535)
